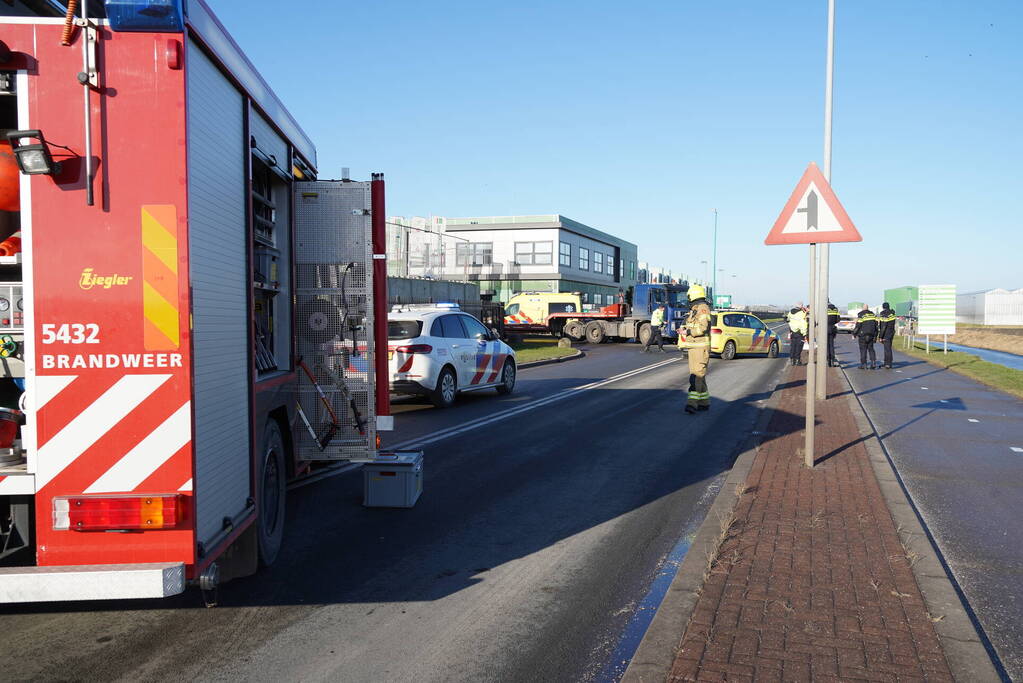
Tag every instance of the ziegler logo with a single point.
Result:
(89, 279)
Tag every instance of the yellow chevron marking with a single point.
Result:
(158, 239)
(160, 312)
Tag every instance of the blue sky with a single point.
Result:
(639, 121)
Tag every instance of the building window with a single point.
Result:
(474, 253)
(611, 265)
(586, 295)
(584, 258)
(621, 267)
(534, 253)
(598, 299)
(632, 270)
(565, 257)
(598, 262)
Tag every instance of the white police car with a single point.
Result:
(437, 350)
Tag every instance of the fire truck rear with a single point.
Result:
(186, 312)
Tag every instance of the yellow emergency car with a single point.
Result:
(735, 332)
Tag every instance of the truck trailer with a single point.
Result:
(190, 318)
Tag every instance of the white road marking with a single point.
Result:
(324, 474)
(1016, 449)
(972, 420)
(924, 388)
(942, 400)
(488, 419)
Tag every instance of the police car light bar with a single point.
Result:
(402, 308)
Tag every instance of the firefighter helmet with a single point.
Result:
(697, 292)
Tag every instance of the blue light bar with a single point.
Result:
(151, 16)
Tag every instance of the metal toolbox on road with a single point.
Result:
(393, 480)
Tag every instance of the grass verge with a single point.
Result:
(992, 374)
(531, 349)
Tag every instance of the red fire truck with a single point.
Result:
(187, 322)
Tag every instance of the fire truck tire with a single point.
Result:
(643, 336)
(594, 332)
(443, 395)
(574, 329)
(507, 384)
(272, 483)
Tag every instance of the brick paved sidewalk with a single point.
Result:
(811, 580)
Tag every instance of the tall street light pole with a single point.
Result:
(822, 295)
(714, 287)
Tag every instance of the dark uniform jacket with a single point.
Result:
(866, 325)
(833, 317)
(886, 324)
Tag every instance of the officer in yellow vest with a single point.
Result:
(798, 328)
(694, 335)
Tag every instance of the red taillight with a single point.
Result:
(715, 331)
(117, 513)
(415, 348)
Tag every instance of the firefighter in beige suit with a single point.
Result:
(695, 337)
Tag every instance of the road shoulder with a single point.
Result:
(656, 653)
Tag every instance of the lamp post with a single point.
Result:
(714, 287)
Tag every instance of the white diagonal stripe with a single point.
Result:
(48, 386)
(154, 450)
(92, 423)
(187, 486)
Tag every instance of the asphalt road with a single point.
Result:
(951, 440)
(541, 527)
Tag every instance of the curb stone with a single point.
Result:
(965, 652)
(656, 652)
(551, 361)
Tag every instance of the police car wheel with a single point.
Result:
(443, 396)
(728, 353)
(773, 351)
(507, 384)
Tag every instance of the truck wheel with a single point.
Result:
(728, 353)
(644, 334)
(594, 332)
(271, 493)
(443, 396)
(773, 351)
(574, 330)
(507, 384)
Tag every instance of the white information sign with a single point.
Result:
(937, 310)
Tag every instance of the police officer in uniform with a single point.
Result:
(833, 317)
(798, 327)
(886, 332)
(866, 334)
(694, 335)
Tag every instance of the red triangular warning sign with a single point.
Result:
(813, 214)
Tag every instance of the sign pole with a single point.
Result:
(821, 311)
(811, 367)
